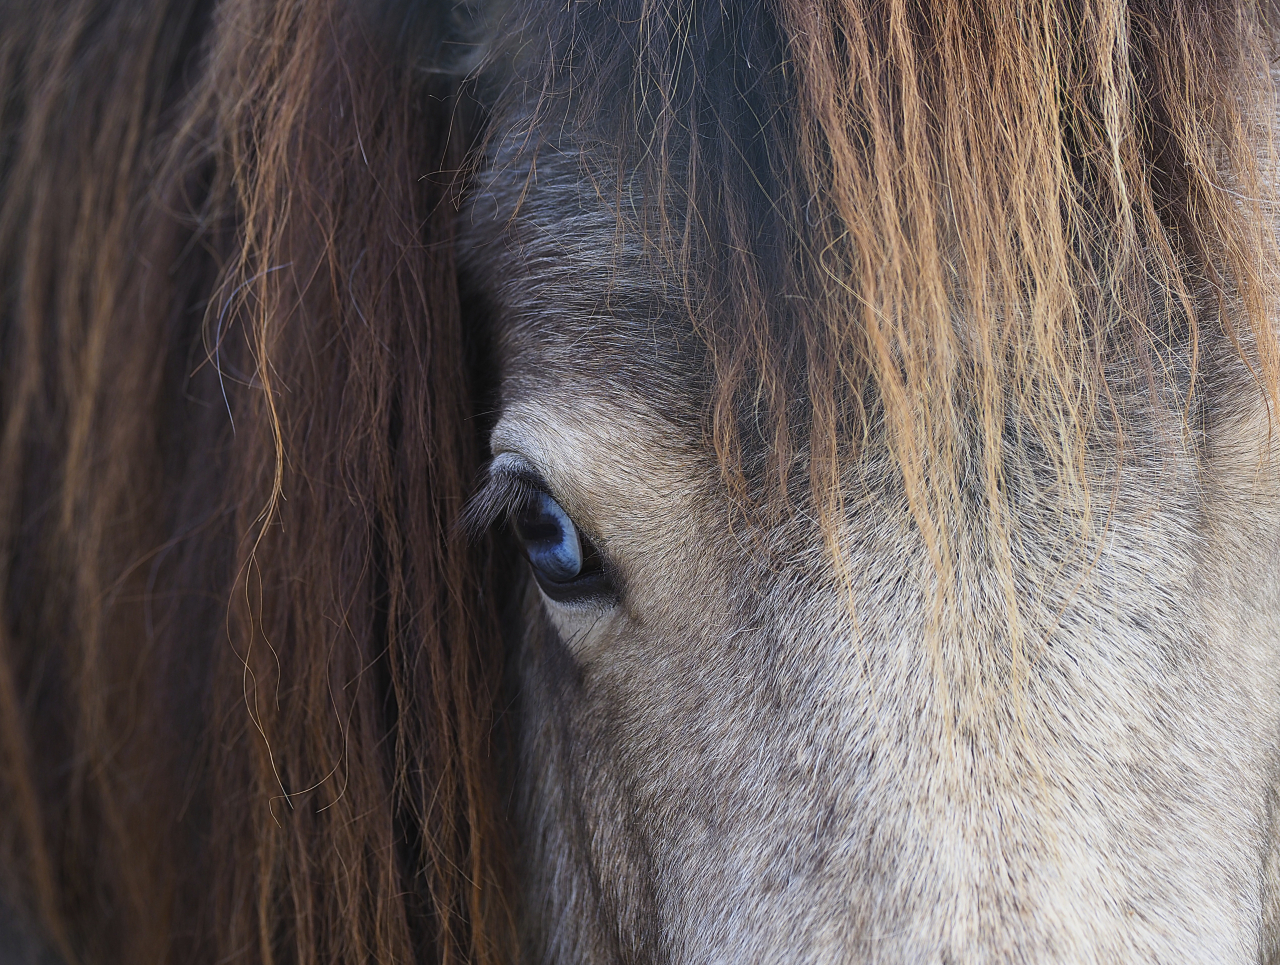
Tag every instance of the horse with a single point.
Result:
(640, 482)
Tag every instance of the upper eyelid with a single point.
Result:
(513, 465)
(509, 478)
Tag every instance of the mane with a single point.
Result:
(948, 232)
(248, 676)
(249, 673)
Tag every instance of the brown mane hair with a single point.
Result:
(248, 672)
(940, 231)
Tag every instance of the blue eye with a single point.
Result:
(565, 564)
(550, 539)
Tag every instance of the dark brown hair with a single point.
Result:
(247, 672)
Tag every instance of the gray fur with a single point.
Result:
(735, 765)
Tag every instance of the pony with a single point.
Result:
(631, 481)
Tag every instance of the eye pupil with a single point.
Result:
(550, 538)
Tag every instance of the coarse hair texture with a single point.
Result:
(950, 229)
(248, 671)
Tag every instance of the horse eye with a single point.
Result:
(566, 565)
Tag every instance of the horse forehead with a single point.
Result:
(582, 319)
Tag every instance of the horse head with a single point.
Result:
(631, 482)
